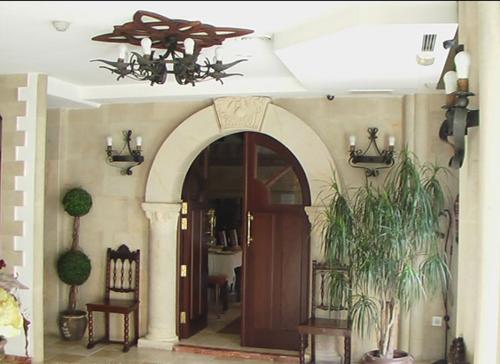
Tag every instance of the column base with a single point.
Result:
(154, 343)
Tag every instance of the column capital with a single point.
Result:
(156, 211)
(315, 214)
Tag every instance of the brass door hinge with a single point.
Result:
(183, 317)
(184, 208)
(184, 270)
(184, 223)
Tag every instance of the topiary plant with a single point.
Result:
(74, 266)
(77, 202)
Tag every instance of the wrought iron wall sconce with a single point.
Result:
(359, 158)
(133, 158)
(458, 117)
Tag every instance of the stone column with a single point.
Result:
(162, 268)
(315, 216)
(487, 330)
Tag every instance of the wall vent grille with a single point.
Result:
(428, 42)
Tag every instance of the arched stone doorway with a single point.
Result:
(164, 186)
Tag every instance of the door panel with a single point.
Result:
(277, 258)
(194, 251)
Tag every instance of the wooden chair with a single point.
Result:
(220, 286)
(121, 278)
(325, 326)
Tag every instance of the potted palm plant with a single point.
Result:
(388, 238)
(73, 266)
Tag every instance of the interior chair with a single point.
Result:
(237, 284)
(122, 279)
(220, 286)
(338, 321)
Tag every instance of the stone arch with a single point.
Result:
(164, 186)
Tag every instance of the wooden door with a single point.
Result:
(193, 250)
(276, 249)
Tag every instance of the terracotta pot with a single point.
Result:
(72, 325)
(400, 357)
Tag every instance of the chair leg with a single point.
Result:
(302, 349)
(224, 297)
(106, 326)
(126, 344)
(217, 292)
(136, 326)
(313, 349)
(347, 349)
(91, 343)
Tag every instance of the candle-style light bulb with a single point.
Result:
(146, 44)
(352, 141)
(123, 52)
(218, 54)
(189, 45)
(138, 141)
(109, 141)
(392, 141)
(450, 82)
(462, 64)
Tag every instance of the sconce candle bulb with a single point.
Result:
(450, 82)
(189, 45)
(392, 141)
(123, 52)
(138, 141)
(352, 141)
(146, 46)
(462, 64)
(109, 141)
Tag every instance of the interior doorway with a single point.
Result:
(244, 245)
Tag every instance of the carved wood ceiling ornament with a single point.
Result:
(161, 30)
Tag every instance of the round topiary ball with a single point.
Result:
(73, 267)
(77, 202)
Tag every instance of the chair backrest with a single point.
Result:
(321, 287)
(122, 271)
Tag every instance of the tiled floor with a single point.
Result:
(60, 352)
(210, 337)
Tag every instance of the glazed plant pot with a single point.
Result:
(400, 357)
(72, 325)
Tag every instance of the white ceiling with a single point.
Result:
(315, 47)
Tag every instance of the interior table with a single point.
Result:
(224, 263)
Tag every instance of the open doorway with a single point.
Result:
(244, 246)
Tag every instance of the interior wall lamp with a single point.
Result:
(458, 117)
(360, 159)
(132, 159)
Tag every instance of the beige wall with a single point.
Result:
(76, 157)
(468, 252)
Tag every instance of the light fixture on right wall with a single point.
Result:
(458, 117)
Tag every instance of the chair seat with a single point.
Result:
(325, 326)
(219, 280)
(114, 305)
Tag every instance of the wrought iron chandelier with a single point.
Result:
(182, 41)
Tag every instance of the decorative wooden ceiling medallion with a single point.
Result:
(162, 30)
